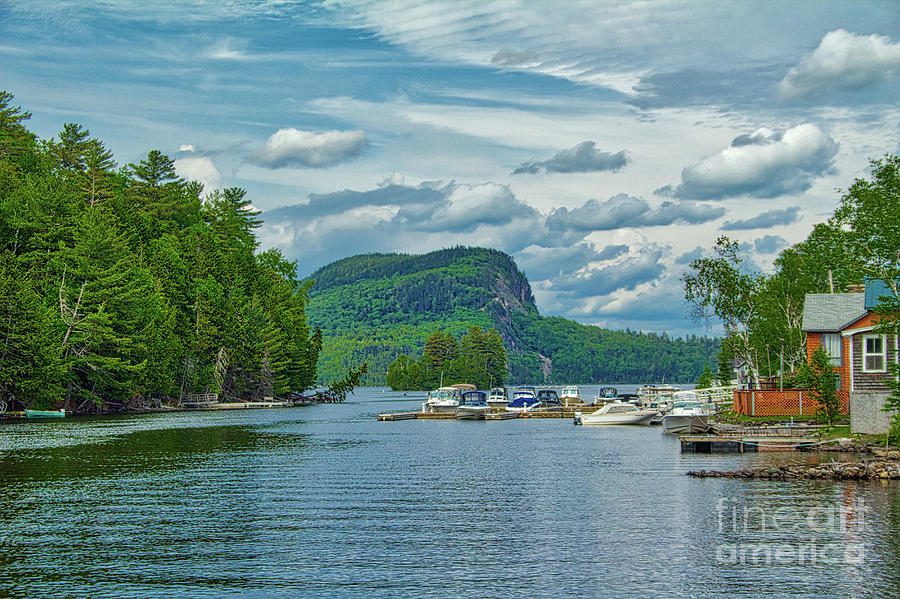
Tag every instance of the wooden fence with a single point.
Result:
(789, 402)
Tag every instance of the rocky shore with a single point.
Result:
(867, 470)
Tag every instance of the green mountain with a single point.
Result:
(373, 307)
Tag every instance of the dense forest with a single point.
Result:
(126, 286)
(375, 307)
(477, 358)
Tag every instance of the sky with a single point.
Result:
(604, 145)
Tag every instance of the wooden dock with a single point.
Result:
(398, 416)
(501, 416)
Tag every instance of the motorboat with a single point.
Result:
(570, 396)
(606, 394)
(619, 412)
(549, 398)
(687, 415)
(442, 399)
(662, 407)
(498, 398)
(523, 400)
(656, 393)
(472, 406)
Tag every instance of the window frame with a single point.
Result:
(864, 353)
(827, 341)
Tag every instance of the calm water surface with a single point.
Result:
(324, 501)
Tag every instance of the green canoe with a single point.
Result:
(45, 413)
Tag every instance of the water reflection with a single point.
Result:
(324, 501)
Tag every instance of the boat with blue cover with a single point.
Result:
(523, 400)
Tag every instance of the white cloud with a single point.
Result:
(199, 168)
(763, 164)
(226, 48)
(843, 61)
(298, 148)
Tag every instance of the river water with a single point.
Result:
(324, 501)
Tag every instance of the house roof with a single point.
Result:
(875, 290)
(831, 312)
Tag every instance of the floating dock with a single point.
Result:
(735, 444)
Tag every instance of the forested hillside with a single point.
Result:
(376, 307)
(125, 286)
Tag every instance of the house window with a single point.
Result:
(873, 355)
(831, 343)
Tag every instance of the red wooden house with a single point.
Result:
(845, 326)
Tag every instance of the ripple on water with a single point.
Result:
(324, 501)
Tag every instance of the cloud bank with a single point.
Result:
(843, 61)
(583, 158)
(762, 164)
(623, 210)
(306, 149)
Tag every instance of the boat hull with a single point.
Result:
(45, 413)
(611, 419)
(685, 424)
(497, 404)
(527, 408)
(440, 408)
(471, 413)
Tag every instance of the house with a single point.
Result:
(844, 325)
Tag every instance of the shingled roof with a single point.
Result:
(831, 312)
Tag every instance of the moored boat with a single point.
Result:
(548, 398)
(498, 398)
(523, 400)
(45, 413)
(687, 415)
(442, 400)
(570, 396)
(606, 394)
(619, 412)
(472, 406)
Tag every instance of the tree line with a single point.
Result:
(125, 285)
(762, 314)
(477, 357)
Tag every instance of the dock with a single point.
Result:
(740, 444)
(564, 412)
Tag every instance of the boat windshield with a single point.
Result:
(621, 409)
(473, 399)
(687, 405)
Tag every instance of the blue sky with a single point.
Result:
(602, 144)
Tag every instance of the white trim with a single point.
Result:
(851, 332)
(864, 354)
(852, 377)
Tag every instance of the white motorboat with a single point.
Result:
(570, 396)
(472, 406)
(498, 398)
(443, 399)
(687, 415)
(619, 412)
